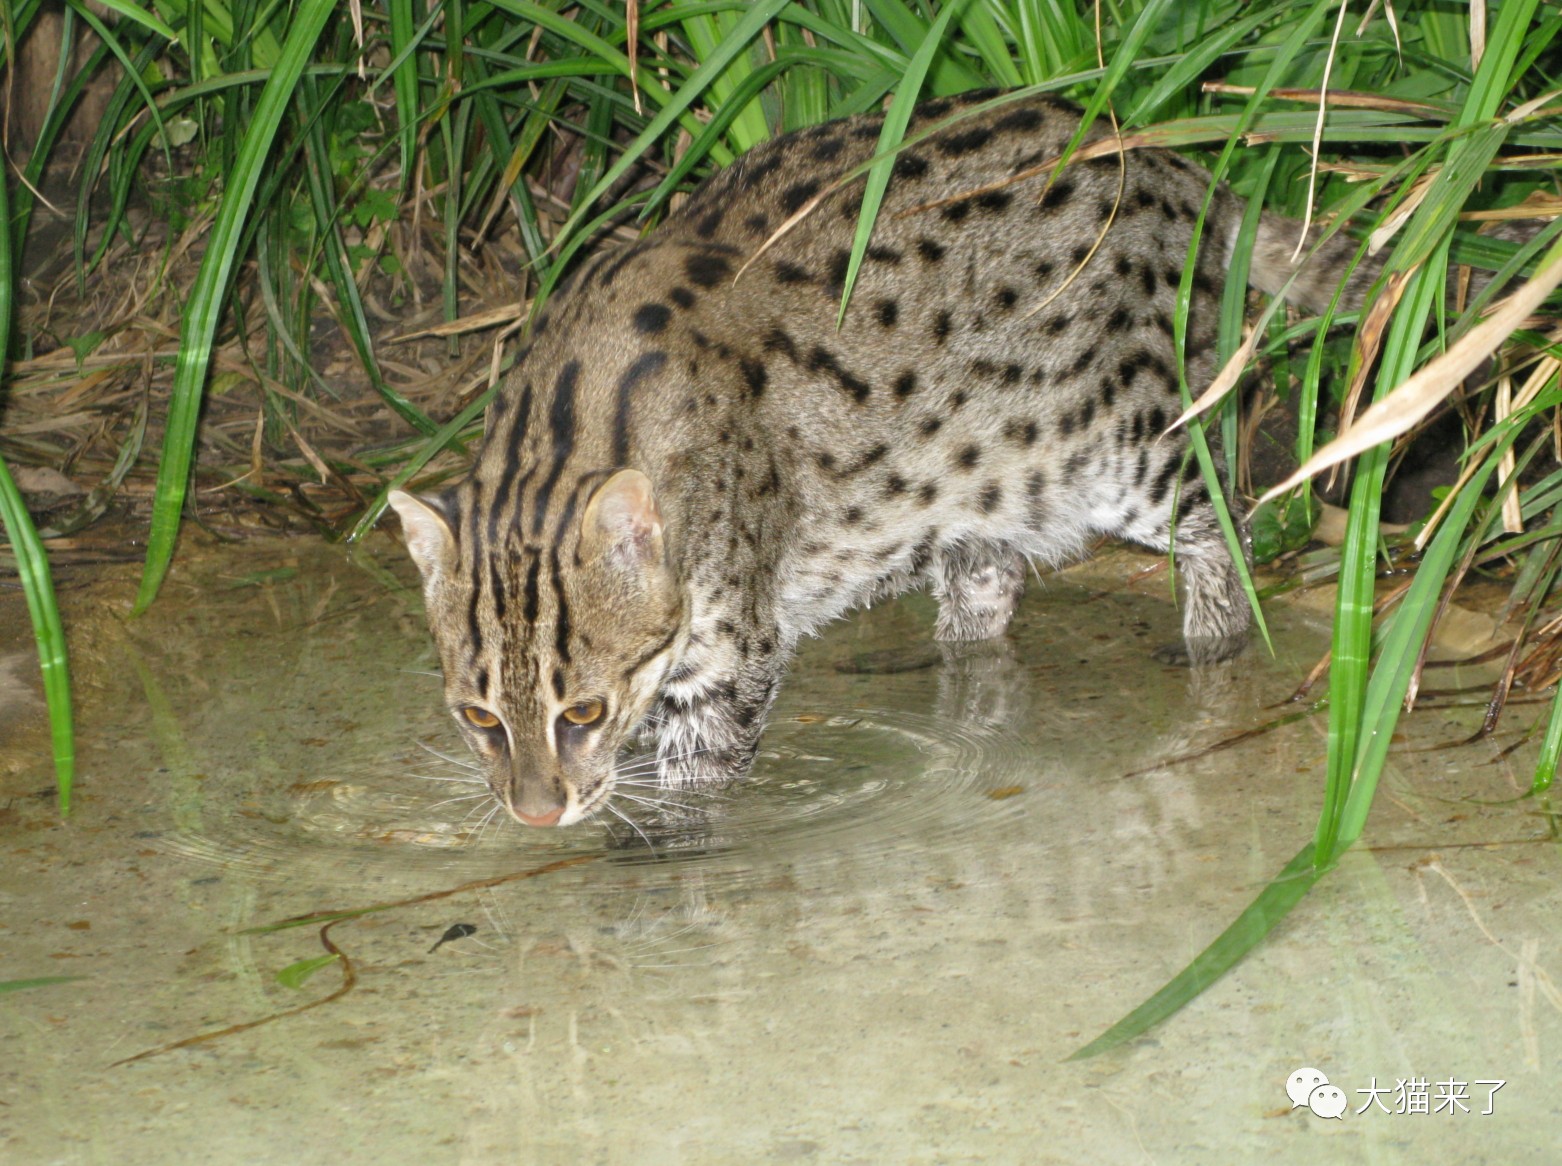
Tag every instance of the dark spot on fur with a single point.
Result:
(793, 198)
(681, 296)
(756, 376)
(905, 385)
(888, 311)
(751, 171)
(959, 142)
(839, 262)
(992, 494)
(1057, 194)
(778, 341)
(707, 223)
(968, 457)
(651, 318)
(1021, 431)
(1023, 120)
(957, 212)
(1006, 298)
(705, 269)
(827, 149)
(790, 273)
(994, 200)
(823, 360)
(910, 166)
(930, 250)
(942, 323)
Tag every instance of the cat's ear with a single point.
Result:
(430, 541)
(622, 522)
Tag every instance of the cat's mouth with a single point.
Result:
(573, 810)
(549, 819)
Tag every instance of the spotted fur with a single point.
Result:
(690, 468)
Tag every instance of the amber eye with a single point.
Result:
(587, 712)
(482, 718)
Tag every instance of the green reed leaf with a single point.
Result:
(205, 305)
(294, 975)
(896, 118)
(32, 562)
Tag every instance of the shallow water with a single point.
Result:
(940, 882)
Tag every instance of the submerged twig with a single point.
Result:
(330, 919)
(349, 982)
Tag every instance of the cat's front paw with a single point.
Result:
(1201, 650)
(706, 767)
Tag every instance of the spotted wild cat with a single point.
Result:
(689, 469)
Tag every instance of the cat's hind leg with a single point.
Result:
(978, 585)
(1215, 613)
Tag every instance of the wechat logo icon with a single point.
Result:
(1311, 1088)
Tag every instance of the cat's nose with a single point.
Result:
(551, 818)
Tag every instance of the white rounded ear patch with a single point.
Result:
(430, 541)
(622, 520)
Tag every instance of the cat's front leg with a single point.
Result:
(711, 713)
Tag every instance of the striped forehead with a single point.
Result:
(519, 630)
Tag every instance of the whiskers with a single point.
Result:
(477, 833)
(639, 797)
(459, 762)
(480, 817)
(638, 788)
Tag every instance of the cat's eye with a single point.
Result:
(587, 712)
(480, 717)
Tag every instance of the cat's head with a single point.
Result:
(553, 648)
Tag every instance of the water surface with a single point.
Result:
(939, 883)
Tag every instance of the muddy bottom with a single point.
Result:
(950, 870)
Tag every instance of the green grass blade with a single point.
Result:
(35, 982)
(32, 563)
(1407, 631)
(142, 17)
(294, 975)
(896, 118)
(1245, 933)
(404, 78)
(209, 294)
(676, 105)
(1550, 748)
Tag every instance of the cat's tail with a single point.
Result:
(1318, 273)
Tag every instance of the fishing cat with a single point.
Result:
(691, 466)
